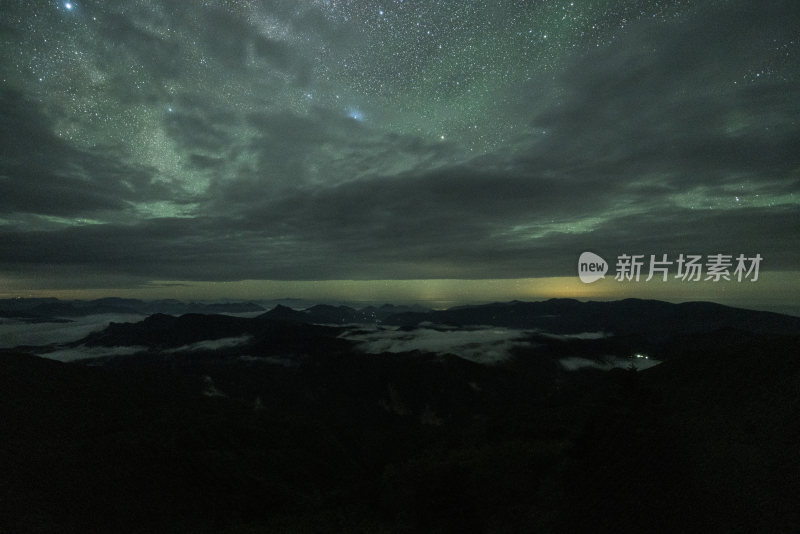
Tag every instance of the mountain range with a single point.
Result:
(650, 321)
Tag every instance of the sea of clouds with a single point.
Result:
(487, 345)
(481, 344)
(17, 333)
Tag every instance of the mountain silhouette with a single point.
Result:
(298, 430)
(49, 308)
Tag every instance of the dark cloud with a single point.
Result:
(131, 44)
(196, 132)
(301, 247)
(204, 162)
(43, 174)
(239, 45)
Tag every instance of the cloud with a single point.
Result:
(483, 345)
(133, 39)
(82, 352)
(14, 334)
(212, 344)
(348, 244)
(42, 174)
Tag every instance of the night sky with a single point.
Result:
(399, 149)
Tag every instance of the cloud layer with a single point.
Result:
(482, 345)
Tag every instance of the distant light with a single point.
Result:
(69, 6)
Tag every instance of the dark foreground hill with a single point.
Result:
(298, 431)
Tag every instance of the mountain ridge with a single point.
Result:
(651, 322)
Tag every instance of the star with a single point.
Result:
(355, 114)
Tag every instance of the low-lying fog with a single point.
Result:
(15, 333)
(481, 344)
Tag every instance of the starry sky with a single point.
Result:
(395, 149)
